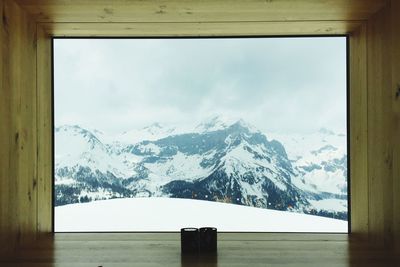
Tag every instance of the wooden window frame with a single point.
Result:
(357, 93)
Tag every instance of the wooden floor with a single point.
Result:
(253, 250)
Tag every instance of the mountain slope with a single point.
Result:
(224, 161)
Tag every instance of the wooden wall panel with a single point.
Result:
(396, 107)
(358, 132)
(25, 111)
(5, 129)
(44, 132)
(18, 123)
(380, 125)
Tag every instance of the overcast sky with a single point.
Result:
(276, 84)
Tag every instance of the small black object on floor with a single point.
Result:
(208, 239)
(190, 240)
(203, 240)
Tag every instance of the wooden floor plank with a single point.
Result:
(164, 250)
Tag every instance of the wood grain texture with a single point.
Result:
(25, 110)
(44, 132)
(164, 250)
(380, 125)
(221, 237)
(358, 132)
(395, 6)
(18, 158)
(5, 130)
(199, 11)
(200, 29)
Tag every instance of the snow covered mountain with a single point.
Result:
(220, 160)
(154, 131)
(319, 160)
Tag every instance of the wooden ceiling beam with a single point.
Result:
(200, 11)
(200, 29)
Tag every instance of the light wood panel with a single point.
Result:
(18, 123)
(199, 11)
(5, 130)
(380, 125)
(164, 250)
(26, 112)
(358, 132)
(44, 132)
(395, 6)
(200, 29)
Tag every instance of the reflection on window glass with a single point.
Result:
(243, 134)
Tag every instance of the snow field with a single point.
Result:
(172, 214)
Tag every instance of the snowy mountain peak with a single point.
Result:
(220, 122)
(64, 128)
(153, 126)
(150, 133)
(76, 130)
(158, 128)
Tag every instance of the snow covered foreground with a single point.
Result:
(171, 214)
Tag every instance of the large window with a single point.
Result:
(244, 134)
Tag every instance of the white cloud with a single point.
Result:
(287, 84)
